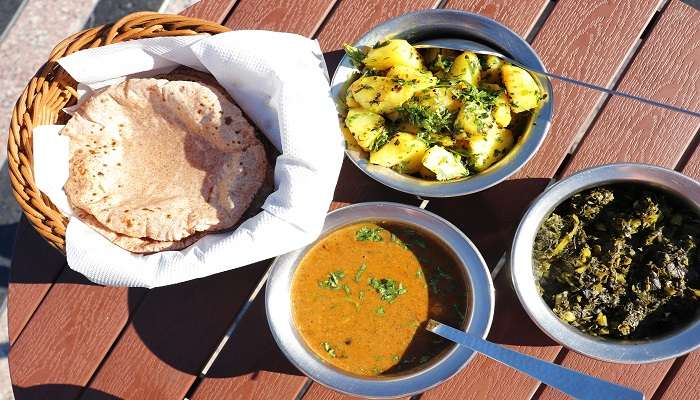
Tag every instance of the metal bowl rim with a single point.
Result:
(672, 345)
(480, 314)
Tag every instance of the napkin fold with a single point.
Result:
(280, 81)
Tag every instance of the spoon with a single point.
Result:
(573, 383)
(477, 48)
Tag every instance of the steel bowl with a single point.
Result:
(436, 24)
(442, 367)
(672, 344)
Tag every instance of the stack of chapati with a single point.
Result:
(157, 163)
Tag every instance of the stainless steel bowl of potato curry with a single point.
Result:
(439, 122)
(350, 309)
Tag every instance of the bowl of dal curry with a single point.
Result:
(349, 310)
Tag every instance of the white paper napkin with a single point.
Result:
(281, 83)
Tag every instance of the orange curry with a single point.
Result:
(362, 294)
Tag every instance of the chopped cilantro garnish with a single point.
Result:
(333, 280)
(359, 272)
(356, 55)
(367, 233)
(471, 94)
(433, 284)
(380, 141)
(419, 242)
(379, 310)
(346, 289)
(442, 63)
(398, 241)
(443, 274)
(388, 289)
(329, 349)
(429, 122)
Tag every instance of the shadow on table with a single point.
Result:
(511, 324)
(251, 349)
(34, 259)
(182, 324)
(58, 391)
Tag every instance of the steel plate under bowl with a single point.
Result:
(442, 367)
(673, 344)
(436, 24)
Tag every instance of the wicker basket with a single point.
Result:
(52, 88)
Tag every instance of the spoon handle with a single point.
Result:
(573, 383)
(612, 92)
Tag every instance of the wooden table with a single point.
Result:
(209, 338)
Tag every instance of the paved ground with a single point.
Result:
(35, 26)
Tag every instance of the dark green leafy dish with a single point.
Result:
(620, 261)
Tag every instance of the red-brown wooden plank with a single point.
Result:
(518, 15)
(292, 16)
(172, 335)
(595, 50)
(353, 18)
(665, 69)
(682, 379)
(693, 166)
(212, 10)
(72, 331)
(35, 266)
(251, 366)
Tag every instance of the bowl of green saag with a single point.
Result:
(606, 262)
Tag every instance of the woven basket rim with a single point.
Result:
(51, 89)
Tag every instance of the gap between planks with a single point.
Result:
(615, 80)
(229, 332)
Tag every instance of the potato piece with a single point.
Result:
(466, 67)
(522, 89)
(501, 110)
(486, 149)
(443, 164)
(365, 126)
(403, 152)
(439, 99)
(501, 106)
(474, 119)
(380, 94)
(417, 79)
(349, 100)
(492, 73)
(392, 53)
(350, 141)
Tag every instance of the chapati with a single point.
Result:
(160, 160)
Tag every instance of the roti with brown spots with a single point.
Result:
(162, 159)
